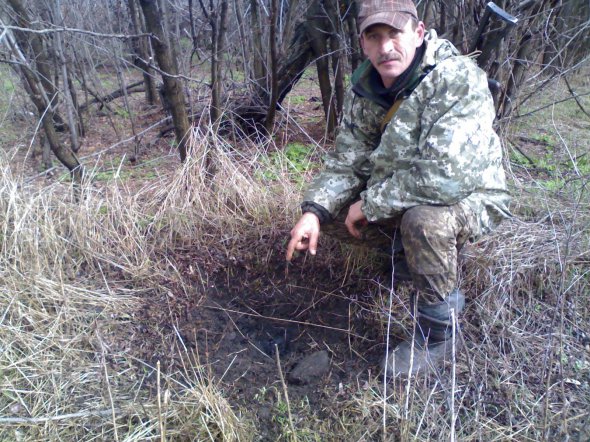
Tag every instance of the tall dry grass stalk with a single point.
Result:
(71, 270)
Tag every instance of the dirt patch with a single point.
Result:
(326, 334)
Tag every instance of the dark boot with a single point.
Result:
(431, 343)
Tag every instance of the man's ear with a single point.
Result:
(420, 32)
(362, 42)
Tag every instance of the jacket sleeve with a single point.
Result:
(450, 152)
(347, 168)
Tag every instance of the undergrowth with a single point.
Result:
(74, 271)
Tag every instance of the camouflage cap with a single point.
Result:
(395, 13)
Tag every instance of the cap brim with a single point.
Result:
(396, 20)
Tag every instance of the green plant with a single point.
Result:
(518, 158)
(112, 174)
(8, 85)
(297, 99)
(292, 162)
(122, 112)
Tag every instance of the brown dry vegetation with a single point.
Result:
(137, 313)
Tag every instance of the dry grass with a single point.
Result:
(69, 272)
(73, 274)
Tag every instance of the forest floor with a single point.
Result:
(296, 349)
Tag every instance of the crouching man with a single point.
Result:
(416, 158)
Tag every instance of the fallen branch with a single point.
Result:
(132, 88)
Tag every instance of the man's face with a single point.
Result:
(391, 50)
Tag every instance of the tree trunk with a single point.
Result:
(259, 65)
(143, 53)
(293, 67)
(285, 35)
(356, 56)
(218, 26)
(69, 102)
(42, 63)
(75, 103)
(317, 28)
(63, 153)
(243, 39)
(172, 84)
(338, 60)
(35, 87)
(272, 105)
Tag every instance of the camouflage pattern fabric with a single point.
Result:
(430, 238)
(439, 149)
(373, 235)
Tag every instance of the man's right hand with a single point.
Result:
(304, 235)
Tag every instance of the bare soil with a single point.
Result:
(247, 312)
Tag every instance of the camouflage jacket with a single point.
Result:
(438, 149)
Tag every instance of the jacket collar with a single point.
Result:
(367, 83)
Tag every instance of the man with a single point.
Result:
(415, 157)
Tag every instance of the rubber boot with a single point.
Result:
(431, 343)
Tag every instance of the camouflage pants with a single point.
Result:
(430, 237)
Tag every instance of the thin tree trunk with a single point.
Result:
(38, 95)
(243, 46)
(259, 65)
(59, 51)
(289, 26)
(337, 50)
(172, 84)
(142, 49)
(272, 105)
(218, 25)
(75, 103)
(316, 27)
(123, 84)
(193, 33)
(525, 52)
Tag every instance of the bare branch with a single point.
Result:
(74, 30)
(573, 97)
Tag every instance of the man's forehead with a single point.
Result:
(381, 26)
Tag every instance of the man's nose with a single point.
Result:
(386, 45)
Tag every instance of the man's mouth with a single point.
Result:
(387, 59)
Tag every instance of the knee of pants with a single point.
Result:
(429, 239)
(422, 219)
